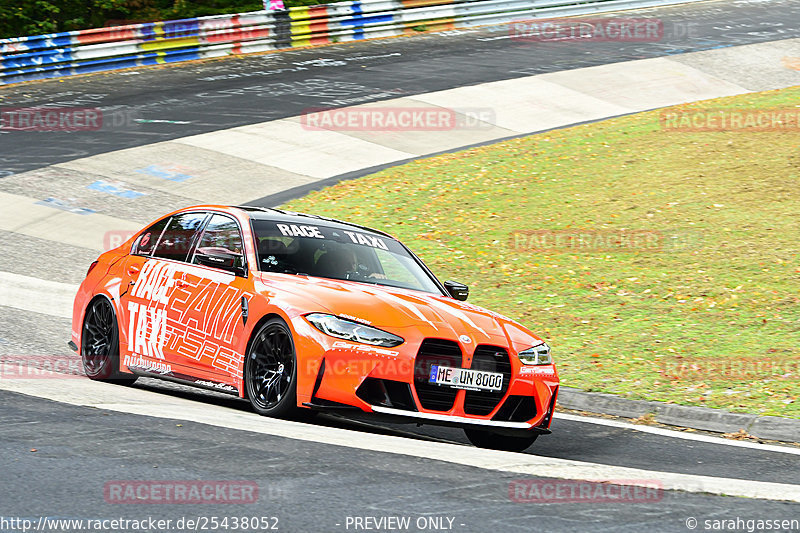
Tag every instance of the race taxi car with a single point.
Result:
(294, 311)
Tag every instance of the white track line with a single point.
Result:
(28, 216)
(140, 402)
(37, 295)
(677, 434)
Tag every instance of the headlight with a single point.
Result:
(353, 331)
(537, 355)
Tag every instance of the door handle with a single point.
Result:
(133, 270)
(181, 282)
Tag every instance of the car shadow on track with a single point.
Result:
(572, 440)
(452, 436)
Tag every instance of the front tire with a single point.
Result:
(100, 344)
(486, 439)
(270, 370)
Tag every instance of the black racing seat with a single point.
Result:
(328, 266)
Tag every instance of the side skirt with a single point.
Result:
(189, 380)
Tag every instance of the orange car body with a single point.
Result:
(193, 323)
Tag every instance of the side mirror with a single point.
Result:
(218, 258)
(457, 290)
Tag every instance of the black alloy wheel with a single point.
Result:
(100, 343)
(270, 370)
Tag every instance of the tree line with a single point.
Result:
(33, 17)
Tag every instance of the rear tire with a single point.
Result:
(100, 344)
(270, 370)
(486, 439)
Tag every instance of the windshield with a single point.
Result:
(322, 251)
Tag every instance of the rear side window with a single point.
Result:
(177, 238)
(221, 236)
(148, 240)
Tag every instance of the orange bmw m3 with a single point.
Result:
(294, 311)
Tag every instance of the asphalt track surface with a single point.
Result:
(311, 486)
(308, 487)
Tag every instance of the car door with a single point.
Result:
(152, 273)
(212, 303)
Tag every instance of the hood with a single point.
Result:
(396, 309)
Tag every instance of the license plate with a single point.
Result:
(463, 378)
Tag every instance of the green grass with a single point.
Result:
(711, 317)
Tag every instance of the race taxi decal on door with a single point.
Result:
(188, 314)
(210, 315)
(147, 321)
